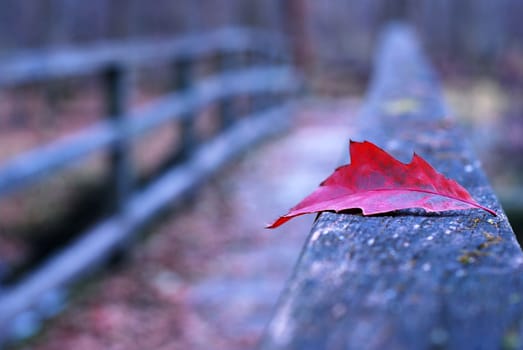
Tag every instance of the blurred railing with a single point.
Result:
(267, 82)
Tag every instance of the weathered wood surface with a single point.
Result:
(407, 280)
(32, 165)
(32, 66)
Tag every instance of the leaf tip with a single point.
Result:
(278, 222)
(492, 212)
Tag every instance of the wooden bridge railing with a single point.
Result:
(408, 279)
(269, 80)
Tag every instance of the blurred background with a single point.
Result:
(205, 269)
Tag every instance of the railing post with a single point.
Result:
(183, 72)
(261, 100)
(117, 83)
(225, 63)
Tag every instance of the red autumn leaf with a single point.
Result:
(375, 182)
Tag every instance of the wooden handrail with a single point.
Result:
(30, 66)
(407, 279)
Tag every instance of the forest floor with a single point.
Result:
(208, 275)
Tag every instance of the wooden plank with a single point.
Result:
(25, 300)
(407, 280)
(32, 165)
(36, 66)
